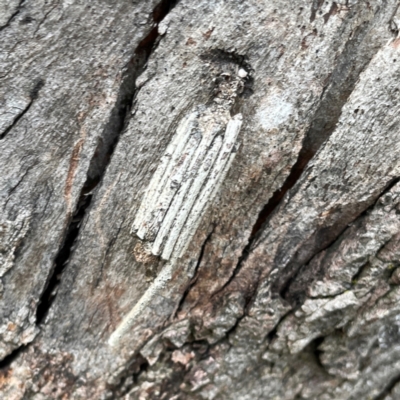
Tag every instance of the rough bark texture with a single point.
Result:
(200, 199)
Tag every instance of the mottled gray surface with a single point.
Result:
(59, 86)
(277, 296)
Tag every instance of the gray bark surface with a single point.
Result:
(200, 199)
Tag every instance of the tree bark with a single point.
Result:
(200, 199)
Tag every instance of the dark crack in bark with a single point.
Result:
(192, 282)
(389, 387)
(130, 377)
(335, 94)
(393, 27)
(21, 3)
(295, 296)
(6, 362)
(103, 154)
(314, 348)
(45, 17)
(33, 96)
(54, 278)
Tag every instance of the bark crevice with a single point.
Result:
(33, 96)
(7, 360)
(296, 296)
(192, 282)
(61, 261)
(13, 15)
(388, 389)
(102, 156)
(45, 17)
